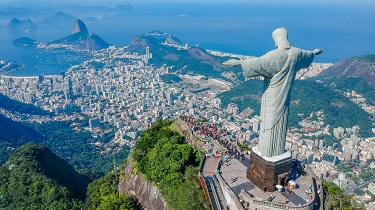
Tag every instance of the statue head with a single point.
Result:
(280, 36)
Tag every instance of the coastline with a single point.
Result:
(3, 73)
(53, 74)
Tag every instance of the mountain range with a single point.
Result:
(26, 24)
(64, 14)
(58, 18)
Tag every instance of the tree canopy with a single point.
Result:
(172, 165)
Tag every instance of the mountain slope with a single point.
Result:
(170, 164)
(16, 24)
(360, 66)
(14, 131)
(13, 135)
(58, 18)
(36, 178)
(194, 60)
(25, 42)
(17, 106)
(81, 39)
(307, 96)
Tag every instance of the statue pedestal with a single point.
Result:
(267, 172)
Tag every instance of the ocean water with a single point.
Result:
(342, 31)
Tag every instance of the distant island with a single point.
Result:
(25, 42)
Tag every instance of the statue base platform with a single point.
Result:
(267, 172)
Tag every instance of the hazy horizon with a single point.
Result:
(142, 2)
(341, 30)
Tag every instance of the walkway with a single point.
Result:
(210, 166)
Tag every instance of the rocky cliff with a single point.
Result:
(79, 27)
(136, 184)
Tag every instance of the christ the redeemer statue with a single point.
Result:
(279, 68)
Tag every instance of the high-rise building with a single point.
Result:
(231, 106)
(355, 130)
(310, 158)
(147, 56)
(40, 78)
(236, 110)
(148, 52)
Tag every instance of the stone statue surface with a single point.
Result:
(279, 68)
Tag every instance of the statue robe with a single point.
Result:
(279, 68)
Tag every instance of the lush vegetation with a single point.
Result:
(359, 85)
(13, 135)
(336, 199)
(96, 65)
(162, 156)
(102, 195)
(330, 140)
(306, 97)
(35, 178)
(25, 42)
(170, 78)
(338, 110)
(76, 147)
(17, 106)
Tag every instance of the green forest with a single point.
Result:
(73, 146)
(14, 105)
(76, 147)
(102, 195)
(336, 199)
(13, 135)
(36, 178)
(359, 85)
(172, 165)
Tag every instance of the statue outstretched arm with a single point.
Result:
(307, 57)
(244, 63)
(318, 51)
(232, 62)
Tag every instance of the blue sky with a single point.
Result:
(141, 2)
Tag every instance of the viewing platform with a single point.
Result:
(240, 193)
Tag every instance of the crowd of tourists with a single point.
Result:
(210, 130)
